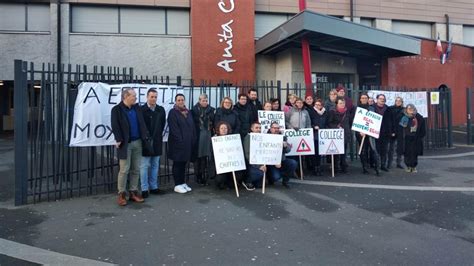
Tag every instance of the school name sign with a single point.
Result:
(91, 124)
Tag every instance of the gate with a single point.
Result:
(469, 111)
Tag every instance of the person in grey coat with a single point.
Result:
(297, 117)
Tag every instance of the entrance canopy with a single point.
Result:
(336, 35)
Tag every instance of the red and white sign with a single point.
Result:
(301, 142)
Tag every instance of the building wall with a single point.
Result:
(425, 71)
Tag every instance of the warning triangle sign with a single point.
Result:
(332, 149)
(303, 146)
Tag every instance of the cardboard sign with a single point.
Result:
(367, 122)
(266, 118)
(265, 148)
(331, 141)
(301, 142)
(228, 153)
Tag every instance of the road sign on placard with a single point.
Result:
(303, 146)
(331, 141)
(301, 142)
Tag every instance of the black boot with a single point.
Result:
(364, 170)
(377, 173)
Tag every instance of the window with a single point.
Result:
(367, 22)
(468, 35)
(266, 22)
(24, 17)
(418, 29)
(129, 20)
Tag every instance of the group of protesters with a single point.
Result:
(138, 131)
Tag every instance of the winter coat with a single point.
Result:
(329, 105)
(256, 105)
(419, 134)
(311, 111)
(204, 124)
(396, 113)
(319, 121)
(182, 136)
(246, 117)
(155, 122)
(230, 116)
(386, 128)
(297, 119)
(121, 127)
(341, 120)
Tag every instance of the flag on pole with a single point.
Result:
(439, 47)
(443, 59)
(448, 50)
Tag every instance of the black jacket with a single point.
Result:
(207, 120)
(155, 122)
(386, 129)
(337, 120)
(419, 135)
(246, 116)
(256, 105)
(230, 116)
(121, 127)
(396, 113)
(182, 136)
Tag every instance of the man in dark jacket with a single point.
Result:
(386, 130)
(395, 145)
(246, 114)
(254, 103)
(287, 167)
(129, 131)
(155, 120)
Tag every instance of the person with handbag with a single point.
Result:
(155, 120)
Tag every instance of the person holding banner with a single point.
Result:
(245, 110)
(395, 146)
(155, 120)
(203, 115)
(413, 131)
(129, 131)
(287, 167)
(254, 172)
(341, 117)
(181, 140)
(368, 146)
(318, 122)
(227, 114)
(385, 130)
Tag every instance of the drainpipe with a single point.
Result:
(352, 10)
(447, 27)
(58, 52)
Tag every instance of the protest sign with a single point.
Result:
(367, 122)
(434, 97)
(228, 153)
(331, 141)
(301, 142)
(266, 118)
(417, 98)
(91, 124)
(265, 149)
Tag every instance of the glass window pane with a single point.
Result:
(264, 23)
(94, 19)
(468, 35)
(38, 17)
(142, 21)
(178, 22)
(12, 17)
(412, 28)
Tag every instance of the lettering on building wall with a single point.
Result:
(226, 36)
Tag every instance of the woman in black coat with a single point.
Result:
(386, 130)
(318, 122)
(413, 131)
(227, 114)
(203, 115)
(181, 140)
(396, 112)
(341, 117)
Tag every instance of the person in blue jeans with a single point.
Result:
(254, 171)
(287, 167)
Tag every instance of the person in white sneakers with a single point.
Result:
(181, 140)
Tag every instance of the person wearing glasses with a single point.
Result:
(318, 122)
(287, 167)
(228, 114)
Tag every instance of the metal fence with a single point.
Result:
(46, 168)
(469, 114)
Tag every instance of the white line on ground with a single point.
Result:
(464, 154)
(42, 256)
(392, 187)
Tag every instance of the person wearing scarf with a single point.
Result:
(318, 122)
(340, 117)
(394, 146)
(368, 149)
(310, 160)
(412, 127)
(203, 115)
(227, 114)
(386, 130)
(181, 140)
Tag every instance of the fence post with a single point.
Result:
(469, 112)
(20, 99)
(450, 119)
